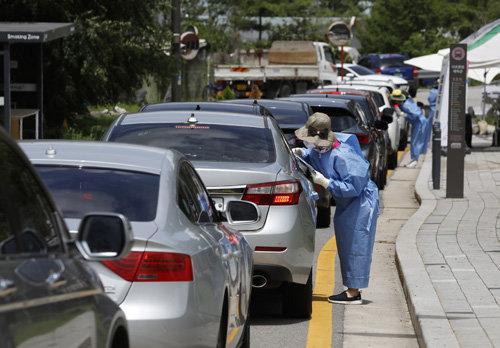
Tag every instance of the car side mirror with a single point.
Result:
(420, 104)
(241, 212)
(104, 236)
(387, 115)
(381, 125)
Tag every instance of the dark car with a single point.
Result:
(392, 64)
(290, 115)
(49, 296)
(377, 143)
(208, 106)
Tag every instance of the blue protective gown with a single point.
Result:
(357, 206)
(432, 98)
(418, 122)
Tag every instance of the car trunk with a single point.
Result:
(227, 181)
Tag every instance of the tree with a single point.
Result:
(115, 45)
(419, 27)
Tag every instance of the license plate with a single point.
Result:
(219, 203)
(241, 87)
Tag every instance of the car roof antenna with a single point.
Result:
(198, 107)
(192, 120)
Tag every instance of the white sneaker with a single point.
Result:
(412, 164)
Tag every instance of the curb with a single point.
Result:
(429, 320)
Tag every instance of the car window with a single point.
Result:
(393, 62)
(203, 142)
(341, 119)
(361, 70)
(27, 220)
(192, 197)
(78, 191)
(328, 54)
(365, 62)
(287, 116)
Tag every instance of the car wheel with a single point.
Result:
(323, 217)
(392, 160)
(403, 141)
(297, 301)
(221, 337)
(245, 339)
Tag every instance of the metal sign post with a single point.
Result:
(456, 121)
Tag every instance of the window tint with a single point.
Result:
(341, 119)
(192, 198)
(328, 54)
(286, 116)
(208, 142)
(78, 191)
(392, 63)
(361, 70)
(27, 222)
(365, 62)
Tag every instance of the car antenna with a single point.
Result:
(255, 102)
(198, 107)
(192, 120)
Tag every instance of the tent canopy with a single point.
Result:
(483, 54)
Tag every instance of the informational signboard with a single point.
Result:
(339, 34)
(456, 121)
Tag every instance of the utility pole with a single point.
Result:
(176, 50)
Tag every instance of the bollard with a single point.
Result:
(436, 155)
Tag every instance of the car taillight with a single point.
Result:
(363, 138)
(274, 193)
(378, 71)
(415, 72)
(153, 267)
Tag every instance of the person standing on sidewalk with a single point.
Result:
(418, 122)
(341, 168)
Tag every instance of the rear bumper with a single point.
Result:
(292, 228)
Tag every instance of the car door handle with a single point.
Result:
(237, 253)
(7, 287)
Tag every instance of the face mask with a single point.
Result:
(320, 149)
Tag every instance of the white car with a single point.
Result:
(359, 72)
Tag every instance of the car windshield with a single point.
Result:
(392, 63)
(361, 70)
(203, 142)
(78, 191)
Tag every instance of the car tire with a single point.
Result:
(297, 299)
(323, 217)
(380, 180)
(245, 339)
(403, 141)
(222, 336)
(392, 160)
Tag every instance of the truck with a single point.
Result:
(286, 67)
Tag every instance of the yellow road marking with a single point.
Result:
(320, 325)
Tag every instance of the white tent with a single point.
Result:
(483, 57)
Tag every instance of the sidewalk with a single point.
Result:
(448, 256)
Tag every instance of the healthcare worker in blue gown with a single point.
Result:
(419, 125)
(341, 168)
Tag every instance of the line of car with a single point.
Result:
(208, 203)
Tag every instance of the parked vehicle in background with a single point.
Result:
(392, 64)
(242, 156)
(49, 297)
(349, 116)
(287, 67)
(187, 280)
(359, 72)
(290, 115)
(397, 130)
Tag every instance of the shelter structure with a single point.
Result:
(29, 36)
(483, 58)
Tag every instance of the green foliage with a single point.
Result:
(227, 93)
(87, 128)
(115, 45)
(419, 27)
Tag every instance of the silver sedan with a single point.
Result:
(244, 156)
(187, 280)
